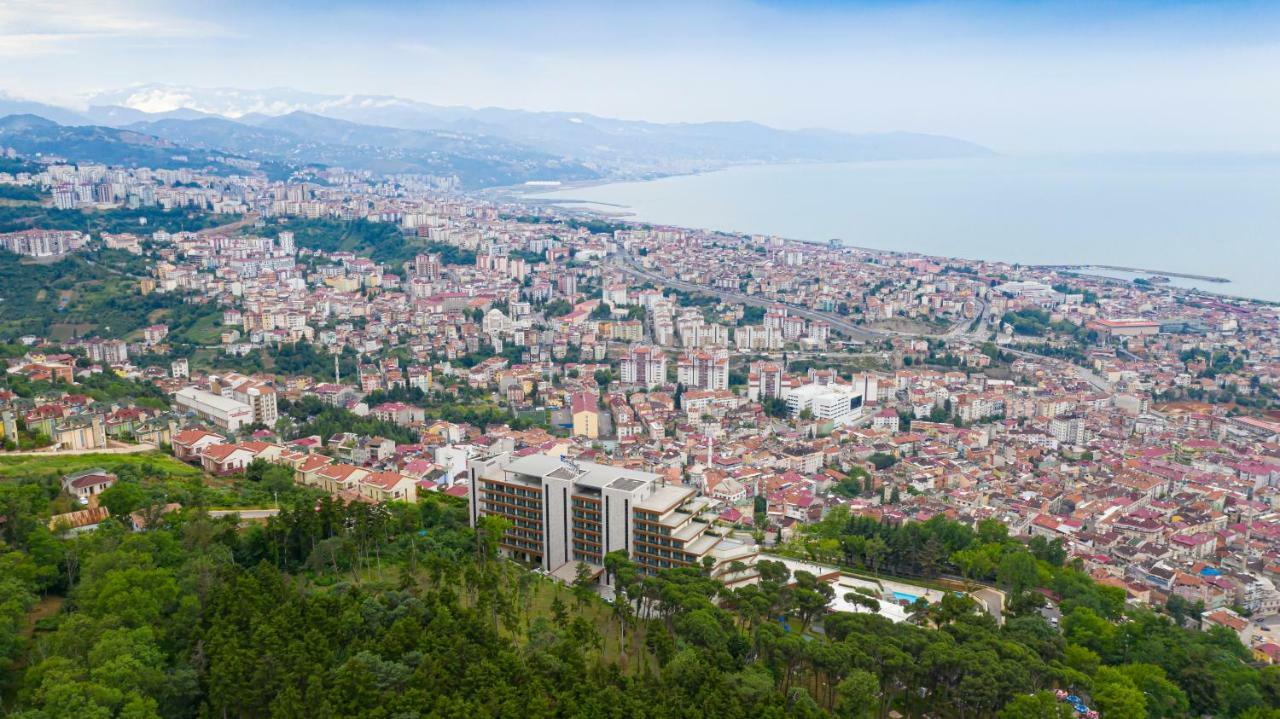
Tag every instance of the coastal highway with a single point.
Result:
(838, 323)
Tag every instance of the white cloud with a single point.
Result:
(32, 27)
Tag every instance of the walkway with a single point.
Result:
(130, 449)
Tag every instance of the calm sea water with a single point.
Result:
(1213, 215)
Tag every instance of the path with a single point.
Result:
(246, 513)
(993, 601)
(131, 449)
(230, 227)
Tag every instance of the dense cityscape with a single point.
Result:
(628, 409)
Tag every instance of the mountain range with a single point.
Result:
(484, 147)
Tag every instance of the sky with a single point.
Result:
(1015, 76)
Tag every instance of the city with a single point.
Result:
(741, 359)
(692, 399)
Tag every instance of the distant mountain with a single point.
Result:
(618, 147)
(13, 106)
(33, 135)
(484, 148)
(303, 138)
(116, 115)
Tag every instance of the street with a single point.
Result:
(854, 331)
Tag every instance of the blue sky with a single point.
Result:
(1018, 76)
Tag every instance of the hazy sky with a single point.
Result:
(1017, 76)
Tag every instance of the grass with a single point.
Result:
(207, 330)
(54, 467)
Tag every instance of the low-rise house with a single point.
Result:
(225, 459)
(87, 483)
(389, 487)
(190, 443)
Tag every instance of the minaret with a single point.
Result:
(337, 377)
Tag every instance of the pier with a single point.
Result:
(1139, 270)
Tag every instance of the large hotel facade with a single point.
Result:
(562, 512)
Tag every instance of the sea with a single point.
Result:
(1202, 214)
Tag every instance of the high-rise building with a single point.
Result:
(561, 512)
(765, 380)
(643, 365)
(427, 266)
(707, 370)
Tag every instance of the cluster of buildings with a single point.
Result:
(42, 243)
(694, 396)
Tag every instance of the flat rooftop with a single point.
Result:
(588, 474)
(664, 498)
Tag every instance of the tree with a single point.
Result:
(603, 377)
(882, 461)
(583, 582)
(858, 695)
(1018, 571)
(1041, 705)
(123, 498)
(1163, 697)
(1120, 700)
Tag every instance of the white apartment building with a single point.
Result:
(222, 412)
(560, 511)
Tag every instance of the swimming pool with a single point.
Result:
(904, 597)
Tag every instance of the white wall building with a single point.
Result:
(222, 412)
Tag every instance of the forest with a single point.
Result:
(382, 242)
(331, 610)
(142, 220)
(95, 293)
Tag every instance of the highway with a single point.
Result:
(1083, 373)
(838, 322)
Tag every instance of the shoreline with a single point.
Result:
(1137, 271)
(619, 212)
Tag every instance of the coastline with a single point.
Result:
(563, 200)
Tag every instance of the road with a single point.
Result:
(1083, 373)
(245, 514)
(837, 323)
(993, 600)
(230, 227)
(854, 331)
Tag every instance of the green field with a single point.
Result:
(54, 467)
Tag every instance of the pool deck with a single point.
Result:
(845, 583)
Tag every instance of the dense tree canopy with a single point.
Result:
(331, 610)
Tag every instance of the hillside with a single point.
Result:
(33, 135)
(332, 610)
(304, 138)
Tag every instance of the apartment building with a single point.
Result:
(707, 370)
(261, 397)
(643, 365)
(675, 528)
(562, 512)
